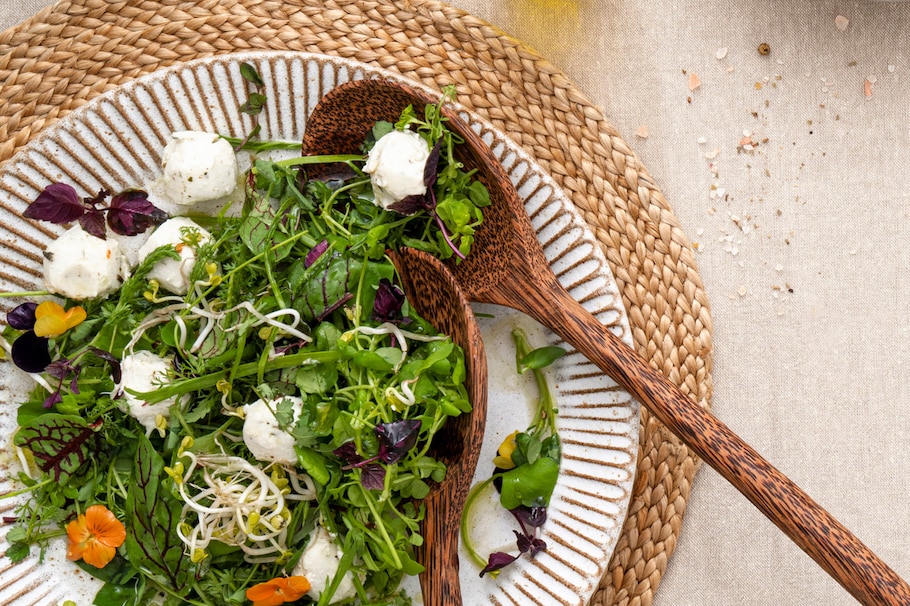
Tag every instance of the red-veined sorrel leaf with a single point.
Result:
(58, 203)
(152, 516)
(60, 444)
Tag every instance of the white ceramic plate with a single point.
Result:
(115, 142)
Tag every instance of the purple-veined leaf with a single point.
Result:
(57, 203)
(497, 561)
(130, 213)
(60, 444)
(93, 222)
(30, 352)
(22, 317)
(397, 438)
(315, 253)
(347, 452)
(152, 515)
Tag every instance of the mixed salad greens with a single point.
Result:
(265, 436)
(246, 415)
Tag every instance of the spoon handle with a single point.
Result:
(816, 531)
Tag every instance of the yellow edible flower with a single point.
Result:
(503, 458)
(52, 321)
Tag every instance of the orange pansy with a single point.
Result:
(52, 321)
(278, 591)
(95, 536)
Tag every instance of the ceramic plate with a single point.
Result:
(115, 142)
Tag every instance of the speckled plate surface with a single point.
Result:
(115, 142)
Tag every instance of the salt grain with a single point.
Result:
(721, 53)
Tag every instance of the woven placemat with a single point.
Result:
(72, 51)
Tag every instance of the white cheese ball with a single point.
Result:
(79, 265)
(319, 564)
(262, 434)
(144, 371)
(395, 165)
(198, 166)
(171, 274)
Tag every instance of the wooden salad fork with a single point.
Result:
(507, 267)
(436, 296)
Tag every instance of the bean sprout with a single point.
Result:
(238, 503)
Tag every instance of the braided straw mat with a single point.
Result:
(73, 51)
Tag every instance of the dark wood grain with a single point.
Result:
(436, 296)
(507, 267)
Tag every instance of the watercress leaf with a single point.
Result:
(57, 203)
(60, 444)
(115, 595)
(529, 446)
(152, 516)
(314, 463)
(540, 358)
(372, 361)
(316, 378)
(530, 485)
(251, 75)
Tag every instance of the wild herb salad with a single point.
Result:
(245, 415)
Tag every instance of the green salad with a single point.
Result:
(246, 415)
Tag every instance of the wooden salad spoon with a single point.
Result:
(507, 267)
(433, 292)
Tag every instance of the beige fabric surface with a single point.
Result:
(789, 171)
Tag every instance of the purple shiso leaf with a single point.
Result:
(60, 369)
(372, 476)
(58, 203)
(130, 213)
(431, 168)
(30, 352)
(530, 517)
(347, 452)
(497, 561)
(397, 438)
(315, 253)
(93, 222)
(412, 204)
(22, 317)
(388, 301)
(110, 359)
(52, 400)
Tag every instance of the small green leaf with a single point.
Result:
(540, 358)
(530, 485)
(251, 75)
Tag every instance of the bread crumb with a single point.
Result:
(642, 132)
(841, 23)
(694, 81)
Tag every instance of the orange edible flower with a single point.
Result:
(95, 536)
(52, 321)
(278, 591)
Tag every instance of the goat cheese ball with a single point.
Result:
(79, 265)
(144, 371)
(185, 235)
(395, 165)
(319, 564)
(262, 434)
(197, 166)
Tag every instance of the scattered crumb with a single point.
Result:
(721, 53)
(694, 81)
(867, 88)
(642, 132)
(742, 291)
(764, 49)
(841, 23)
(891, 69)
